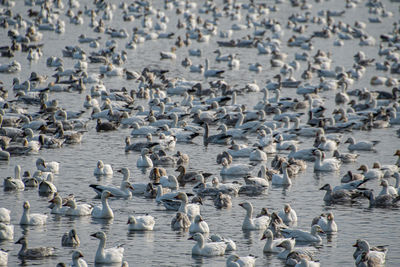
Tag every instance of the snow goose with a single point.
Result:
(337, 196)
(362, 145)
(56, 206)
(3, 258)
(107, 256)
(141, 223)
(304, 154)
(70, 239)
(105, 211)
(387, 189)
(345, 157)
(304, 236)
(180, 221)
(365, 253)
(382, 201)
(307, 263)
(250, 223)
(258, 155)
(326, 222)
(327, 145)
(203, 248)
(77, 210)
(271, 245)
(235, 170)
(125, 190)
(51, 166)
(283, 179)
(6, 232)
(190, 209)
(288, 215)
(199, 225)
(211, 72)
(370, 174)
(325, 165)
(31, 219)
(14, 183)
(288, 245)
(144, 160)
(77, 260)
(47, 186)
(5, 215)
(223, 201)
(33, 253)
(103, 169)
(236, 261)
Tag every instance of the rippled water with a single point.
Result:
(164, 246)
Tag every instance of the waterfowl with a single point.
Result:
(304, 236)
(235, 261)
(5, 215)
(221, 138)
(304, 154)
(3, 258)
(373, 173)
(283, 179)
(211, 72)
(326, 222)
(31, 219)
(235, 170)
(125, 190)
(362, 145)
(191, 210)
(307, 263)
(374, 256)
(103, 169)
(107, 256)
(387, 189)
(77, 210)
(288, 245)
(51, 166)
(33, 253)
(337, 196)
(288, 215)
(105, 211)
(382, 201)
(180, 221)
(141, 223)
(250, 223)
(222, 201)
(14, 183)
(56, 205)
(47, 186)
(6, 232)
(325, 165)
(144, 160)
(209, 249)
(271, 244)
(70, 239)
(77, 260)
(345, 157)
(199, 225)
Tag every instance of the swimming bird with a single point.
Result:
(33, 253)
(77, 260)
(103, 169)
(325, 165)
(199, 225)
(283, 179)
(105, 211)
(15, 183)
(5, 215)
(144, 160)
(326, 222)
(236, 261)
(31, 219)
(271, 244)
(180, 221)
(50, 166)
(107, 256)
(288, 215)
(47, 186)
(361, 145)
(77, 210)
(209, 249)
(70, 239)
(250, 223)
(375, 256)
(304, 236)
(141, 223)
(125, 190)
(6, 232)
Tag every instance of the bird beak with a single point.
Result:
(241, 204)
(119, 171)
(263, 237)
(190, 238)
(94, 235)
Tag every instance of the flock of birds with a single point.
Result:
(163, 113)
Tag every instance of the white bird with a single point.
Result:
(250, 223)
(77, 260)
(364, 253)
(191, 210)
(236, 169)
(103, 169)
(51, 166)
(283, 179)
(325, 165)
(105, 211)
(288, 215)
(56, 206)
(77, 210)
(107, 256)
(5, 215)
(180, 221)
(141, 223)
(304, 236)
(3, 258)
(125, 190)
(144, 160)
(271, 245)
(199, 225)
(307, 263)
(328, 225)
(6, 232)
(203, 248)
(236, 261)
(14, 183)
(31, 219)
(362, 145)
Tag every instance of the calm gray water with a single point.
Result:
(164, 247)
